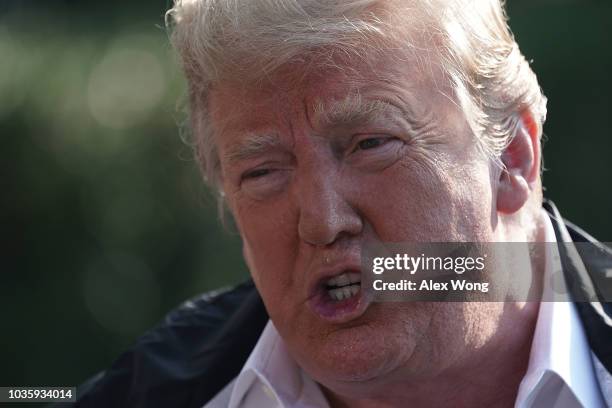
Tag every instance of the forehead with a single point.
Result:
(410, 79)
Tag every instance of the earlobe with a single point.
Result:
(521, 160)
(512, 192)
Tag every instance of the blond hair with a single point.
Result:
(251, 39)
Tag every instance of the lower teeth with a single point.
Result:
(344, 292)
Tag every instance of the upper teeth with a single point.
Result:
(344, 279)
(344, 286)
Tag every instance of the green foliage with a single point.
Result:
(106, 221)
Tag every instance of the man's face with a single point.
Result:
(313, 169)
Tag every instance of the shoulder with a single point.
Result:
(185, 360)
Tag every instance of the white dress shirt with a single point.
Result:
(560, 372)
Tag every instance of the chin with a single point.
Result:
(360, 353)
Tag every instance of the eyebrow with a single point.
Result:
(252, 145)
(350, 110)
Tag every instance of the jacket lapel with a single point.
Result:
(586, 264)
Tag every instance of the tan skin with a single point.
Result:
(314, 192)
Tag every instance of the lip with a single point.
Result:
(332, 311)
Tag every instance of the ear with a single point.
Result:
(522, 166)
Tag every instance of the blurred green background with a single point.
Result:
(106, 224)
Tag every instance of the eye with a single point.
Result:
(264, 182)
(371, 143)
(254, 174)
(374, 151)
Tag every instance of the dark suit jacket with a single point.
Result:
(202, 345)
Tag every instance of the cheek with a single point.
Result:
(265, 226)
(474, 198)
(269, 234)
(429, 202)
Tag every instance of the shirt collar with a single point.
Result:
(560, 367)
(271, 368)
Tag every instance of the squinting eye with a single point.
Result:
(371, 143)
(263, 182)
(255, 174)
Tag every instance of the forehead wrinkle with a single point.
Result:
(251, 145)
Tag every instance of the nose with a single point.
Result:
(325, 213)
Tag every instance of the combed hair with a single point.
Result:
(249, 40)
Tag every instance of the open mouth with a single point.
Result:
(340, 298)
(343, 286)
